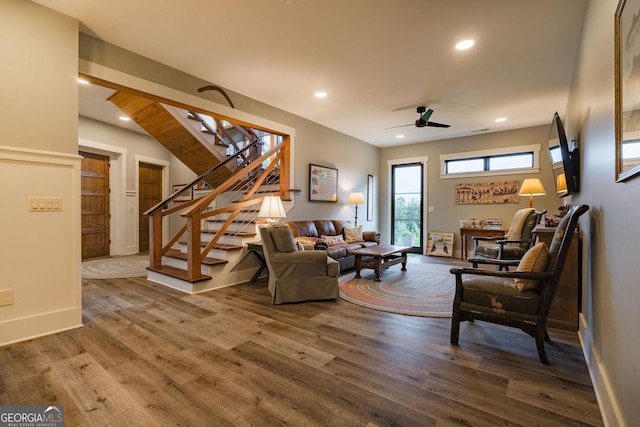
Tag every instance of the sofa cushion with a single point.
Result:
(340, 225)
(353, 234)
(368, 244)
(283, 238)
(325, 226)
(307, 240)
(535, 260)
(303, 228)
(336, 252)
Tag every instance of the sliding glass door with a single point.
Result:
(407, 194)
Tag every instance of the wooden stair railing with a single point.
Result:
(196, 210)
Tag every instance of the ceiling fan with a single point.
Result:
(423, 120)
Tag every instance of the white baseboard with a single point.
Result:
(601, 385)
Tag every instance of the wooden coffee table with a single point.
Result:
(380, 257)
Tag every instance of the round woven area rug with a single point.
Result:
(419, 291)
(116, 267)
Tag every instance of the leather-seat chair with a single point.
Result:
(494, 296)
(511, 247)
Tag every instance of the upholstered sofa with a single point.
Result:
(330, 235)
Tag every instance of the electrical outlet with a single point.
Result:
(6, 297)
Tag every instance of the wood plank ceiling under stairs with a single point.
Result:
(151, 116)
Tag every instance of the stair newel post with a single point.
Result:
(285, 179)
(155, 239)
(194, 257)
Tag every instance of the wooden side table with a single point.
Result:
(565, 308)
(484, 232)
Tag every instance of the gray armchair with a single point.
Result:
(295, 274)
(507, 250)
(494, 296)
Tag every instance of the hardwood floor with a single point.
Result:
(149, 355)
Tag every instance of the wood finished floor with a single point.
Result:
(148, 355)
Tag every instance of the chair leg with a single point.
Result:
(455, 329)
(541, 334)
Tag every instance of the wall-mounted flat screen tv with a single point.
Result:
(564, 159)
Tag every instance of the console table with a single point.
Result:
(484, 232)
(566, 303)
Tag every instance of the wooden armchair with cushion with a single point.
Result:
(296, 274)
(507, 250)
(520, 298)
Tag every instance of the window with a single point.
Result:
(503, 161)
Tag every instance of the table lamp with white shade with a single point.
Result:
(272, 209)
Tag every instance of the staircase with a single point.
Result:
(200, 245)
(226, 263)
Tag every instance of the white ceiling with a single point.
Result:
(376, 59)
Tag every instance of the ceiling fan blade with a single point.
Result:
(426, 115)
(438, 125)
(401, 126)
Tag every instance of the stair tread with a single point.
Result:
(173, 253)
(178, 273)
(221, 246)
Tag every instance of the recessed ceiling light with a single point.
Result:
(82, 81)
(400, 136)
(501, 119)
(465, 44)
(125, 118)
(320, 94)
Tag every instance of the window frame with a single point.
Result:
(496, 152)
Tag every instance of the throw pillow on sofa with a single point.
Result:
(353, 234)
(333, 240)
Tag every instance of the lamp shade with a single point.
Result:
(355, 199)
(561, 183)
(532, 187)
(272, 208)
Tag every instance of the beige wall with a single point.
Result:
(40, 251)
(440, 193)
(610, 315)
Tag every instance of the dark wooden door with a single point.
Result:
(149, 194)
(94, 200)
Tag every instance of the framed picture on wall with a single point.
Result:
(185, 196)
(323, 184)
(627, 81)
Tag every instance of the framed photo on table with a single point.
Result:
(323, 184)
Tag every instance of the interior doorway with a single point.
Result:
(407, 195)
(149, 194)
(94, 200)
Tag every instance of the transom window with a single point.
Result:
(503, 161)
